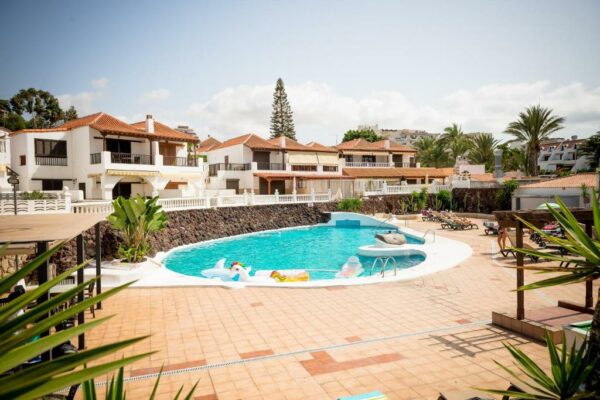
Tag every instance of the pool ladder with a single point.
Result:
(429, 231)
(383, 261)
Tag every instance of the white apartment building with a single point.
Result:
(251, 163)
(407, 137)
(4, 159)
(561, 154)
(104, 157)
(359, 153)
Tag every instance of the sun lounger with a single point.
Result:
(375, 395)
(512, 237)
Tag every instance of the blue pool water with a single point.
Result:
(321, 250)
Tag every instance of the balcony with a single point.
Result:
(266, 166)
(180, 161)
(54, 161)
(214, 168)
(405, 165)
(363, 164)
(128, 158)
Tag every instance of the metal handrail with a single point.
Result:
(384, 262)
(429, 231)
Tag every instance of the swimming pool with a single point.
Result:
(319, 249)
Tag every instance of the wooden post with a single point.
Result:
(103, 142)
(268, 186)
(98, 264)
(43, 272)
(589, 285)
(520, 273)
(80, 316)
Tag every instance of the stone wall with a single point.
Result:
(191, 226)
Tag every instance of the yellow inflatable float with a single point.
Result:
(280, 276)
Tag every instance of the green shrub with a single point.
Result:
(504, 195)
(35, 195)
(444, 199)
(351, 204)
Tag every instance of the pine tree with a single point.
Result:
(282, 122)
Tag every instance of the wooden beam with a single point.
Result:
(520, 273)
(98, 264)
(268, 186)
(80, 317)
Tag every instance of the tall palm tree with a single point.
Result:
(431, 152)
(534, 125)
(455, 141)
(482, 150)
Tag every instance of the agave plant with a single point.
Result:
(116, 389)
(20, 339)
(569, 370)
(137, 218)
(582, 251)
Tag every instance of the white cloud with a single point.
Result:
(155, 96)
(321, 114)
(99, 83)
(84, 101)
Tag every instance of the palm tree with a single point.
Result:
(455, 141)
(431, 152)
(534, 125)
(513, 159)
(482, 151)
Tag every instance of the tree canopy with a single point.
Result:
(482, 150)
(533, 126)
(432, 153)
(455, 141)
(33, 108)
(367, 134)
(282, 122)
(591, 148)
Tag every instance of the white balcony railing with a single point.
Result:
(407, 189)
(45, 206)
(353, 164)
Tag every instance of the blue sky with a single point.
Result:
(399, 64)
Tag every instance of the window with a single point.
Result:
(370, 159)
(52, 184)
(50, 148)
(23, 159)
(330, 168)
(304, 167)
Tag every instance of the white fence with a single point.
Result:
(7, 207)
(194, 203)
(407, 189)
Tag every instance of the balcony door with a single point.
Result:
(118, 146)
(262, 159)
(169, 153)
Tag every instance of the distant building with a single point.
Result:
(561, 154)
(406, 137)
(4, 159)
(187, 129)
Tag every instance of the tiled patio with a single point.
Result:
(408, 339)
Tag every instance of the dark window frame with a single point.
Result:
(50, 148)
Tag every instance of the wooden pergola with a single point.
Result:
(45, 230)
(539, 218)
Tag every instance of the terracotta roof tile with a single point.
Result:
(321, 148)
(250, 140)
(398, 172)
(165, 132)
(363, 145)
(290, 144)
(573, 181)
(207, 145)
(487, 177)
(106, 123)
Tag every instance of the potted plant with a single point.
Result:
(137, 218)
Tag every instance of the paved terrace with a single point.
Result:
(408, 339)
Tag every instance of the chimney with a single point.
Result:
(386, 144)
(282, 141)
(149, 124)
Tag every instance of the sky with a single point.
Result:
(399, 64)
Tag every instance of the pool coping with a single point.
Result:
(441, 253)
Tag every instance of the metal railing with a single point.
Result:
(129, 158)
(214, 168)
(180, 161)
(51, 161)
(269, 166)
(354, 164)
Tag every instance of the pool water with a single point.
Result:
(321, 250)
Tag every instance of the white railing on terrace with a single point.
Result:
(45, 206)
(407, 189)
(65, 205)
(354, 164)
